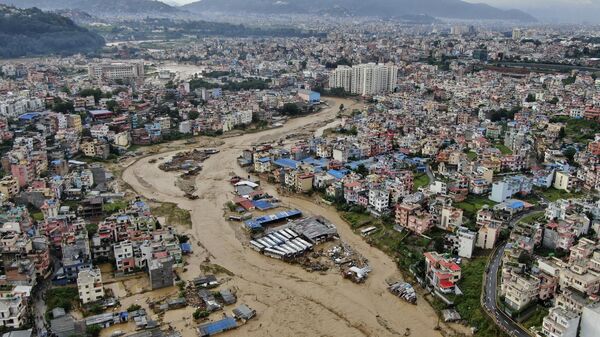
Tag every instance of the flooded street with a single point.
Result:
(289, 300)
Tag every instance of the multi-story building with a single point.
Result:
(560, 323)
(519, 290)
(9, 187)
(443, 274)
(590, 321)
(114, 71)
(365, 79)
(509, 186)
(465, 242)
(489, 229)
(124, 259)
(89, 285)
(12, 311)
(379, 200)
(160, 271)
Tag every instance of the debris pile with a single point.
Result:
(405, 291)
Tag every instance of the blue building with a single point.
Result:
(310, 97)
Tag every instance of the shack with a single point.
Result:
(213, 328)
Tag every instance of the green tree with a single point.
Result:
(97, 93)
(291, 109)
(112, 105)
(193, 115)
(134, 307)
(530, 98)
(362, 170)
(93, 330)
(570, 154)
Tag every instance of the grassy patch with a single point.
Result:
(173, 214)
(537, 318)
(533, 217)
(578, 130)
(38, 216)
(471, 155)
(356, 219)
(215, 269)
(115, 206)
(421, 180)
(503, 148)
(552, 194)
(62, 297)
(469, 304)
(472, 204)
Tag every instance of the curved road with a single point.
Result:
(491, 287)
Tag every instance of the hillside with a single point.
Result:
(103, 8)
(32, 32)
(382, 8)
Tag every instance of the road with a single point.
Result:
(491, 286)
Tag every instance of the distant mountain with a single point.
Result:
(456, 9)
(103, 8)
(32, 32)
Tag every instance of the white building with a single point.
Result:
(466, 242)
(114, 71)
(590, 321)
(509, 186)
(561, 323)
(379, 200)
(365, 79)
(12, 312)
(99, 131)
(89, 285)
(124, 259)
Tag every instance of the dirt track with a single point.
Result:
(289, 301)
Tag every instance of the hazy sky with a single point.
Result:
(546, 10)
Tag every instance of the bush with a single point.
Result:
(134, 307)
(199, 313)
(93, 330)
(62, 297)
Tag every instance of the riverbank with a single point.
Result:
(289, 301)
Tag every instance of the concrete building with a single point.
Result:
(12, 312)
(89, 285)
(519, 290)
(9, 187)
(442, 274)
(561, 323)
(309, 97)
(124, 259)
(161, 272)
(466, 242)
(116, 71)
(509, 186)
(365, 79)
(590, 321)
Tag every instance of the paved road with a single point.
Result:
(491, 287)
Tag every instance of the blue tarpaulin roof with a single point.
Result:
(315, 162)
(29, 116)
(213, 328)
(262, 204)
(257, 223)
(286, 162)
(337, 174)
(186, 247)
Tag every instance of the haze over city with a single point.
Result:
(251, 168)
